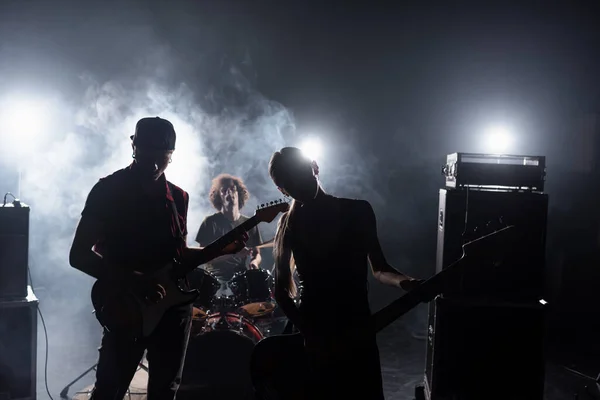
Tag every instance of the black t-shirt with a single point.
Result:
(330, 244)
(140, 231)
(213, 227)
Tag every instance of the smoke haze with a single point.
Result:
(223, 125)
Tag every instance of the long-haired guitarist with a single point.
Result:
(330, 241)
(133, 223)
(228, 195)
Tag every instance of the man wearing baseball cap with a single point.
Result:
(134, 223)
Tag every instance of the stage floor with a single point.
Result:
(402, 358)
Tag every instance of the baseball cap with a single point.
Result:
(154, 133)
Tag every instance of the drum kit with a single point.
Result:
(229, 318)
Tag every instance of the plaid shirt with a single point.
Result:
(140, 230)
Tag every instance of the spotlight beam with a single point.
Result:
(311, 148)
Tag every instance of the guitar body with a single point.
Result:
(277, 365)
(120, 310)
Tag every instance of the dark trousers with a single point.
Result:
(120, 357)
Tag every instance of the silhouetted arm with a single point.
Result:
(81, 255)
(254, 240)
(382, 270)
(283, 282)
(90, 229)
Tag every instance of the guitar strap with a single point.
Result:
(175, 213)
(176, 216)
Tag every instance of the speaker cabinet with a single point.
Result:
(484, 350)
(18, 348)
(465, 215)
(14, 251)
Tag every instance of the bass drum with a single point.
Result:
(207, 286)
(217, 363)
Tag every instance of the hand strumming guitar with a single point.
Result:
(147, 288)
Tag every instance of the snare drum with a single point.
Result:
(207, 286)
(218, 357)
(253, 292)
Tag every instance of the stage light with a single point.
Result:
(22, 121)
(498, 139)
(311, 148)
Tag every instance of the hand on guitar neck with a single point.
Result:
(410, 284)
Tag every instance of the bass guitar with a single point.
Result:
(277, 361)
(121, 309)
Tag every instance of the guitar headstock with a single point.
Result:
(268, 211)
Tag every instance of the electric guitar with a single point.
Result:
(277, 361)
(120, 309)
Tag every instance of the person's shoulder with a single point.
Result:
(359, 208)
(212, 217)
(176, 190)
(359, 204)
(111, 182)
(117, 176)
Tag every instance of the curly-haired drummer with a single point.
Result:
(228, 195)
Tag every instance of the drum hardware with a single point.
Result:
(227, 327)
(253, 292)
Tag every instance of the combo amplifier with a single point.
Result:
(14, 250)
(18, 348)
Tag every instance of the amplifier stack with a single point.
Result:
(485, 334)
(18, 306)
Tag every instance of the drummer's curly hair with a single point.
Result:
(217, 184)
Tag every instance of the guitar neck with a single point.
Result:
(396, 309)
(426, 291)
(230, 236)
(489, 247)
(221, 242)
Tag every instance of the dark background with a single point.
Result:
(390, 88)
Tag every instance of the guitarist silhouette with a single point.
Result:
(331, 241)
(135, 221)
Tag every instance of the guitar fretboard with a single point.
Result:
(235, 232)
